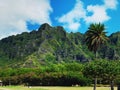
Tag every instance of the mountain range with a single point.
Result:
(52, 45)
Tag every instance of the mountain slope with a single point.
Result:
(51, 44)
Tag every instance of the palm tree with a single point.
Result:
(95, 37)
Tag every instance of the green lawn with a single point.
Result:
(52, 88)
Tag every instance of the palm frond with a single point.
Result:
(95, 36)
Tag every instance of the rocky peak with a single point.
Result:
(45, 26)
(60, 28)
(115, 38)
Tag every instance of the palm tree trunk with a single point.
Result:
(118, 87)
(112, 85)
(95, 83)
(95, 79)
(96, 54)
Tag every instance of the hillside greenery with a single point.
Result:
(52, 45)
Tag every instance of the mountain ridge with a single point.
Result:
(52, 44)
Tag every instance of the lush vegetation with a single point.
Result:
(52, 57)
(64, 74)
(52, 44)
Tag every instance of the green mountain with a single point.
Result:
(52, 45)
(112, 49)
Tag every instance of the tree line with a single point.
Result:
(64, 74)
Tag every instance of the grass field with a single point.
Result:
(52, 88)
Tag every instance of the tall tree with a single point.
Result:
(95, 37)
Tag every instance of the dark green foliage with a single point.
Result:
(54, 74)
(106, 71)
(52, 45)
(64, 74)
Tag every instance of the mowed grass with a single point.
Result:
(52, 88)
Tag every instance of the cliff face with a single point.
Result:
(52, 44)
(112, 49)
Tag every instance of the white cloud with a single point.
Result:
(71, 20)
(15, 13)
(91, 14)
(99, 14)
(110, 4)
(100, 11)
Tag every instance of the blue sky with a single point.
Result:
(74, 15)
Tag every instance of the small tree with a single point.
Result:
(111, 70)
(103, 69)
(93, 70)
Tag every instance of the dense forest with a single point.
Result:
(52, 44)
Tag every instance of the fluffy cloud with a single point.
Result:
(91, 14)
(15, 13)
(71, 20)
(99, 14)
(110, 4)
